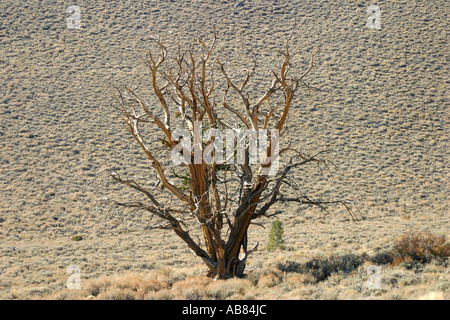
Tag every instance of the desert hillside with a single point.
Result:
(381, 106)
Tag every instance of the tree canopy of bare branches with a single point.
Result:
(195, 85)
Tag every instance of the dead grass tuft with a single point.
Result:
(192, 287)
(420, 247)
(127, 287)
(228, 289)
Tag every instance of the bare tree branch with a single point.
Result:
(191, 82)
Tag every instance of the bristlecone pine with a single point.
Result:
(193, 85)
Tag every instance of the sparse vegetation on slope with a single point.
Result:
(381, 104)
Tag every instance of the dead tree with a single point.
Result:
(195, 85)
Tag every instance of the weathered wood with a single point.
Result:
(188, 81)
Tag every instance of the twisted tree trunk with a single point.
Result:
(187, 85)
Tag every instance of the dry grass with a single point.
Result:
(382, 108)
(284, 276)
(126, 287)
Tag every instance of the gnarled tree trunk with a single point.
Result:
(188, 85)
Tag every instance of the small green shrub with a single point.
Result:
(276, 236)
(77, 238)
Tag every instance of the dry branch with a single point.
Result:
(187, 81)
